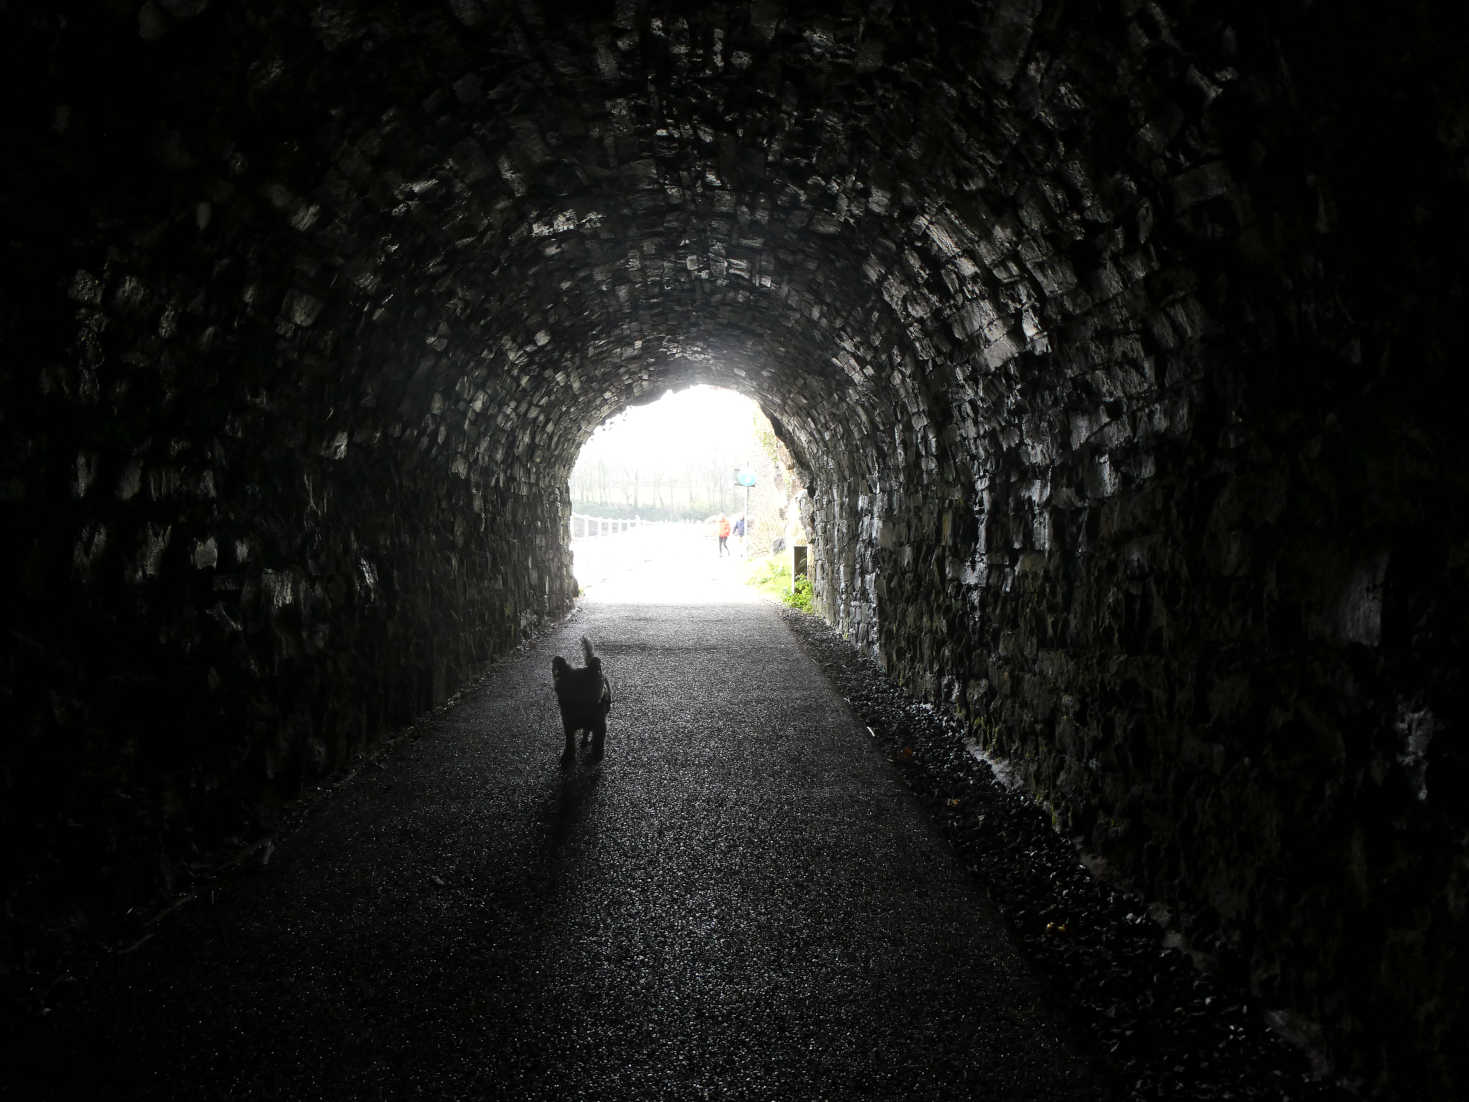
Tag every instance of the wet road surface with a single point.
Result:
(740, 901)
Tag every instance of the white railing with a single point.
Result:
(583, 527)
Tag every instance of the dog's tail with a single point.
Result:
(586, 649)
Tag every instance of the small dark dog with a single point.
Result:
(585, 698)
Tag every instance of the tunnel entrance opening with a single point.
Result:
(1120, 396)
(681, 500)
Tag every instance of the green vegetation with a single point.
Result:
(770, 575)
(802, 599)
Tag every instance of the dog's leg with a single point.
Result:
(569, 754)
(599, 736)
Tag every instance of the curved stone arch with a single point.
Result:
(1055, 303)
(950, 254)
(412, 253)
(528, 148)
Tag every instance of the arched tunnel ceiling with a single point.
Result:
(1117, 340)
(863, 216)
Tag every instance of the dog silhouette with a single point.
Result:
(585, 698)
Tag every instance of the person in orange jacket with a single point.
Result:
(723, 534)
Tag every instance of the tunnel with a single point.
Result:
(1114, 343)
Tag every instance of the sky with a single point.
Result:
(698, 420)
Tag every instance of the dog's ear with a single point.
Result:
(559, 668)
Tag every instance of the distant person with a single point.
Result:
(739, 528)
(723, 535)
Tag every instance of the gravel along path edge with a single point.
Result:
(1155, 1020)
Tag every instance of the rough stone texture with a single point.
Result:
(1114, 342)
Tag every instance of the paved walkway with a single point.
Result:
(741, 901)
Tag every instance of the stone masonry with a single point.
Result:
(1114, 342)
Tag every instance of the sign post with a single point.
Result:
(746, 478)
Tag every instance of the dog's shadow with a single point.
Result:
(570, 802)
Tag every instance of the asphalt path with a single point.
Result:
(740, 901)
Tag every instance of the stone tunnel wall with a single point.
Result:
(1200, 670)
(1121, 391)
(220, 597)
(1198, 577)
(215, 615)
